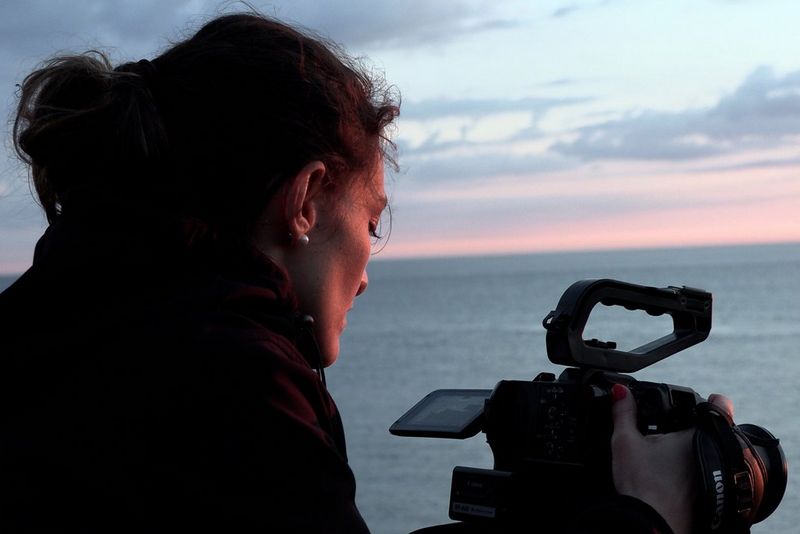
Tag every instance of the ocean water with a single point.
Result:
(468, 323)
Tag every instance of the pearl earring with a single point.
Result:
(303, 239)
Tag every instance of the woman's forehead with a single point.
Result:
(373, 185)
(366, 188)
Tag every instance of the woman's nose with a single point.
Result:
(364, 283)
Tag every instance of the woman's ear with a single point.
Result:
(301, 200)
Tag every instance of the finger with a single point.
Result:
(722, 402)
(623, 411)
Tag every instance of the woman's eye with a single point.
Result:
(380, 227)
(373, 229)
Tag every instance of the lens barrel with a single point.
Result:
(774, 468)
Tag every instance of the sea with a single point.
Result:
(428, 324)
(432, 324)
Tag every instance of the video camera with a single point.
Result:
(551, 437)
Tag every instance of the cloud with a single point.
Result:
(39, 27)
(745, 126)
(440, 127)
(475, 108)
(762, 112)
(755, 165)
(561, 82)
(407, 24)
(565, 11)
(570, 9)
(467, 169)
(35, 27)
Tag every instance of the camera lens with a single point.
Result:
(767, 448)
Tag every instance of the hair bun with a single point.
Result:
(81, 122)
(145, 72)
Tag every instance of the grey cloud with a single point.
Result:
(499, 215)
(475, 109)
(432, 109)
(757, 164)
(40, 27)
(406, 24)
(561, 82)
(468, 169)
(566, 10)
(433, 160)
(570, 9)
(763, 106)
(762, 111)
(35, 27)
(646, 136)
(32, 30)
(434, 146)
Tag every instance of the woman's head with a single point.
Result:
(256, 129)
(210, 129)
(330, 244)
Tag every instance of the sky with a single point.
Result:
(526, 126)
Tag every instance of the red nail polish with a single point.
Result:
(618, 392)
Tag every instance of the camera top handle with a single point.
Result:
(690, 309)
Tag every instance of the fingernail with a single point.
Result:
(618, 392)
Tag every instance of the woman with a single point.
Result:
(211, 213)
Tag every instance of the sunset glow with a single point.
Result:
(665, 125)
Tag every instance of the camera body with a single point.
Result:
(551, 437)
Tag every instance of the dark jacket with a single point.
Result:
(151, 380)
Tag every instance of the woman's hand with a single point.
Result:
(657, 469)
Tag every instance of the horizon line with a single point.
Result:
(590, 250)
(543, 252)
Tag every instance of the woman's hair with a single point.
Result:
(209, 129)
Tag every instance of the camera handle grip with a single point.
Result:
(689, 308)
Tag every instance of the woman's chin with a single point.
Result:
(329, 352)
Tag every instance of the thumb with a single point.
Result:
(623, 412)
